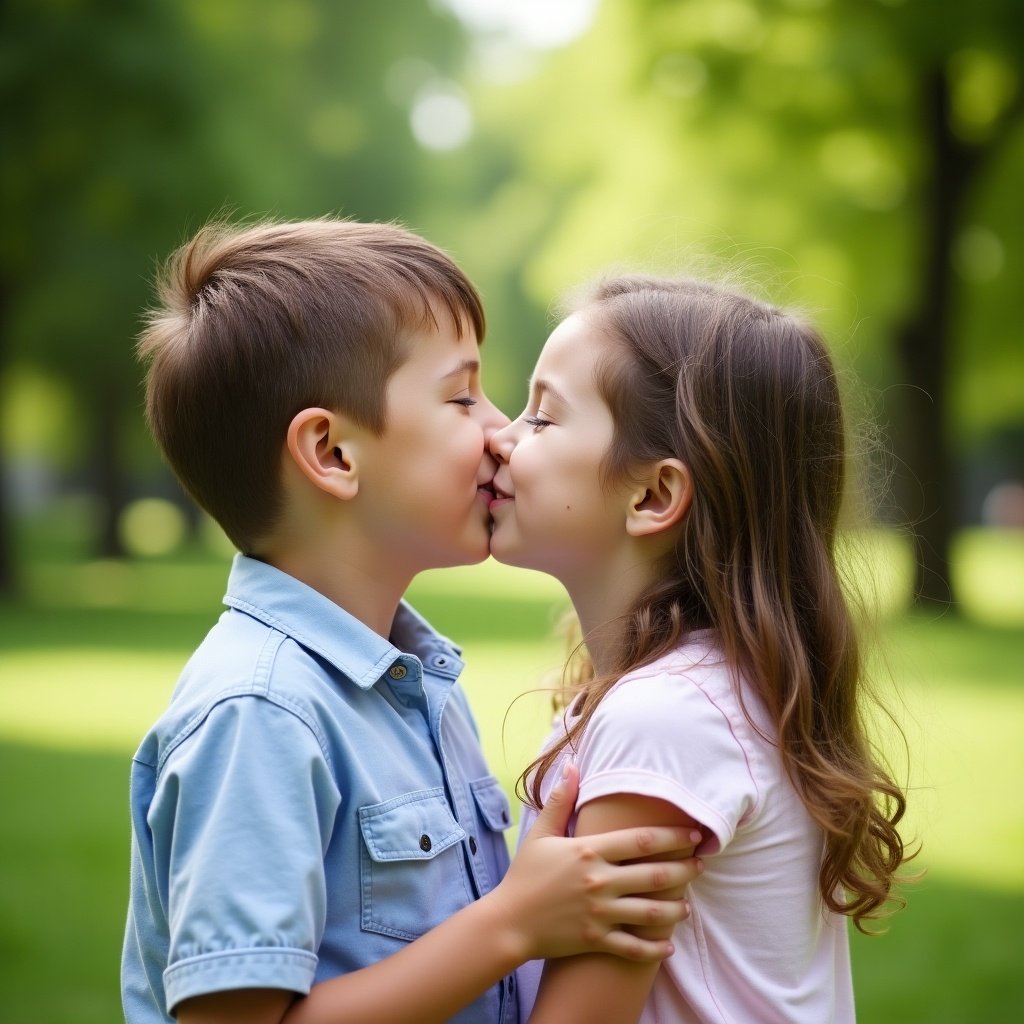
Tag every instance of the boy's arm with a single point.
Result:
(581, 989)
(249, 1005)
(560, 896)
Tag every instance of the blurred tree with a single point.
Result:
(100, 108)
(865, 152)
(128, 124)
(964, 62)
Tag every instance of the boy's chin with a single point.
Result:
(501, 553)
(473, 555)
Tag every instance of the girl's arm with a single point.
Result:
(594, 986)
(560, 896)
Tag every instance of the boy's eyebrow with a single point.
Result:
(467, 365)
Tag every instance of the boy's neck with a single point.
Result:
(353, 580)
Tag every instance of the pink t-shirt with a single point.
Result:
(759, 946)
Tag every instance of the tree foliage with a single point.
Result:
(128, 124)
(856, 156)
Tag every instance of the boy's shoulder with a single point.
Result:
(234, 661)
(287, 646)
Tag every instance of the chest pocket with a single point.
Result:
(411, 871)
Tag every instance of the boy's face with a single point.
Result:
(426, 484)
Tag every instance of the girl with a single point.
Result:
(680, 469)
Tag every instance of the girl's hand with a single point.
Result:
(564, 896)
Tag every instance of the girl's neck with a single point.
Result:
(604, 644)
(603, 601)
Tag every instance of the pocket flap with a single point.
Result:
(492, 802)
(416, 826)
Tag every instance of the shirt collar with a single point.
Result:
(313, 620)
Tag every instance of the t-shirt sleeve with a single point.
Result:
(662, 736)
(240, 820)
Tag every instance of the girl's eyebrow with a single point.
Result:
(542, 387)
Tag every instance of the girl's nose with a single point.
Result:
(502, 442)
(490, 417)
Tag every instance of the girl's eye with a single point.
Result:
(536, 422)
(467, 402)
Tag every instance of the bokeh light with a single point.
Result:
(152, 526)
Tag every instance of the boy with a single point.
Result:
(314, 806)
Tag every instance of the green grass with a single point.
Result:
(81, 676)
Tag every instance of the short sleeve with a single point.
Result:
(240, 820)
(662, 736)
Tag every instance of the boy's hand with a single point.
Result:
(566, 896)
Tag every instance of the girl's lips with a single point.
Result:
(500, 497)
(487, 493)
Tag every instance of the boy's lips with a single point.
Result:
(486, 491)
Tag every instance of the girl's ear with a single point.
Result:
(662, 499)
(322, 446)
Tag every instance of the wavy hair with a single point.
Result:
(747, 396)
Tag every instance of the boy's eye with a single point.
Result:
(536, 422)
(467, 401)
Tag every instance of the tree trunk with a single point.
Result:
(922, 441)
(8, 569)
(111, 487)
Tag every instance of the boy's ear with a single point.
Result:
(322, 446)
(661, 500)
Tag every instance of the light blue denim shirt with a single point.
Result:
(313, 798)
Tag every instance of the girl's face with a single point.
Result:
(551, 511)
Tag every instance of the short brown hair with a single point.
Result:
(258, 322)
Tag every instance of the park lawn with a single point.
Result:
(78, 685)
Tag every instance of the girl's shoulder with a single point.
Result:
(697, 662)
(694, 683)
(674, 729)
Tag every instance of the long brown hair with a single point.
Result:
(747, 397)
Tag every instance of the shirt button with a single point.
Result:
(397, 671)
(472, 844)
(425, 843)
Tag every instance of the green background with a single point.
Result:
(89, 660)
(859, 159)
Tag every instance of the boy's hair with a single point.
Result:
(746, 395)
(256, 323)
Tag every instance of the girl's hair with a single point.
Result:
(747, 397)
